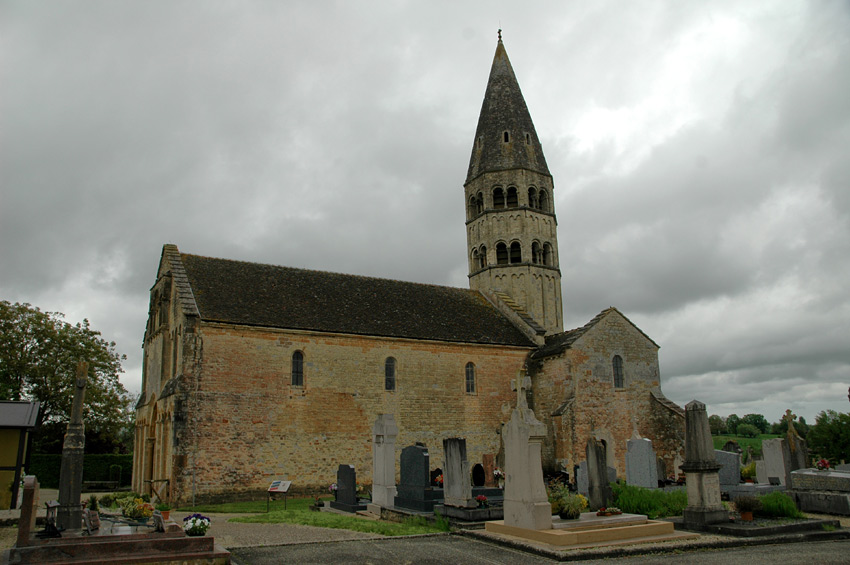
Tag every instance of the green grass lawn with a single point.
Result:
(755, 442)
(298, 512)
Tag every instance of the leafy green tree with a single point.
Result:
(717, 425)
(757, 420)
(781, 427)
(39, 352)
(830, 436)
(747, 430)
(732, 421)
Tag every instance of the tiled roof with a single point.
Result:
(284, 297)
(504, 110)
(556, 343)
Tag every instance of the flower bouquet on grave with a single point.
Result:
(137, 509)
(823, 465)
(196, 525)
(499, 475)
(609, 511)
(482, 501)
(333, 489)
(439, 481)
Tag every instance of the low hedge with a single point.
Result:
(96, 467)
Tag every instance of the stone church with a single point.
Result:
(256, 372)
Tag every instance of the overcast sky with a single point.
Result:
(700, 154)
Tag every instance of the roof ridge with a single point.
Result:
(181, 280)
(520, 311)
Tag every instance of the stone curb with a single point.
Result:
(649, 549)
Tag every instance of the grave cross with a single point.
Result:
(521, 385)
(790, 417)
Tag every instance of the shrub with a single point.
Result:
(653, 503)
(749, 472)
(778, 505)
(92, 505)
(748, 430)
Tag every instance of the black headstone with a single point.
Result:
(414, 488)
(346, 494)
(478, 476)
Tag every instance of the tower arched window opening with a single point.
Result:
(547, 254)
(516, 252)
(544, 201)
(501, 254)
(498, 198)
(476, 260)
(536, 255)
(297, 369)
(482, 257)
(479, 203)
(512, 197)
(618, 371)
(532, 197)
(473, 207)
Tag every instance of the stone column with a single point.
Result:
(526, 503)
(700, 466)
(29, 506)
(70, 512)
(384, 434)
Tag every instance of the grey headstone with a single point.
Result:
(761, 472)
(384, 433)
(581, 478)
(456, 488)
(598, 478)
(777, 458)
(641, 464)
(730, 471)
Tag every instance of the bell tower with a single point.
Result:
(511, 228)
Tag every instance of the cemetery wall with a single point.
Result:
(255, 426)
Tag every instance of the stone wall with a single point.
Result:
(252, 425)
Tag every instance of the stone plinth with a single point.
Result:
(384, 434)
(821, 491)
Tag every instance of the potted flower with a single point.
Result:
(566, 505)
(137, 509)
(499, 475)
(482, 501)
(746, 505)
(823, 465)
(196, 525)
(164, 509)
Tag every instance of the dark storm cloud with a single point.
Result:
(698, 150)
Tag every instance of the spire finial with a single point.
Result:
(500, 35)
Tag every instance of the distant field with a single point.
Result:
(755, 442)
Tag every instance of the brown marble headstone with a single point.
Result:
(488, 461)
(29, 505)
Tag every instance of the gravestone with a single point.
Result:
(479, 477)
(414, 488)
(732, 446)
(457, 491)
(526, 503)
(488, 461)
(384, 434)
(761, 472)
(641, 463)
(29, 504)
(581, 477)
(700, 466)
(661, 466)
(70, 513)
(798, 452)
(598, 486)
(730, 468)
(777, 460)
(346, 494)
(826, 492)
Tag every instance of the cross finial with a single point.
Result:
(500, 34)
(522, 384)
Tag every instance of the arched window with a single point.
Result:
(473, 208)
(532, 197)
(501, 254)
(547, 254)
(498, 198)
(389, 374)
(516, 252)
(618, 371)
(512, 198)
(482, 256)
(506, 136)
(544, 201)
(297, 369)
(470, 378)
(476, 260)
(479, 203)
(536, 256)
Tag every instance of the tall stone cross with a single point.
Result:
(521, 385)
(790, 418)
(69, 515)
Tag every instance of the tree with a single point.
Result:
(747, 430)
(39, 352)
(781, 427)
(732, 421)
(830, 436)
(757, 420)
(717, 425)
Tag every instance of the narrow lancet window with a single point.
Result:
(297, 369)
(618, 371)
(389, 374)
(470, 378)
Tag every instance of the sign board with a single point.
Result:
(280, 486)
